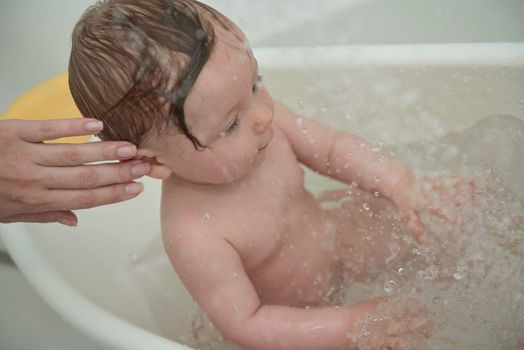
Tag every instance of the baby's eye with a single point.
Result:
(231, 127)
(258, 84)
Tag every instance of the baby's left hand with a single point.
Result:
(440, 196)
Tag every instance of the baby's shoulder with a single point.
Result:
(184, 213)
(184, 228)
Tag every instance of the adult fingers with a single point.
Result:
(38, 131)
(77, 154)
(64, 217)
(83, 199)
(94, 175)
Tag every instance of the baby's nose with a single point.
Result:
(264, 119)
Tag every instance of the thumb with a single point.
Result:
(64, 217)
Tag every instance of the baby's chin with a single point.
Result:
(240, 173)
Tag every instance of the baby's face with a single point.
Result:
(229, 111)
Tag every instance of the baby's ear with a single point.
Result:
(158, 170)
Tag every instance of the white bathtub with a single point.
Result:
(413, 70)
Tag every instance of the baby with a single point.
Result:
(254, 248)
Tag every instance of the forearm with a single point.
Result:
(275, 327)
(352, 159)
(343, 156)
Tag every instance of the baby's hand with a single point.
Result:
(440, 196)
(394, 325)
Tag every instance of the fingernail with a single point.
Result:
(140, 169)
(134, 188)
(66, 222)
(126, 151)
(94, 125)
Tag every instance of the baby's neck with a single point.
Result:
(175, 182)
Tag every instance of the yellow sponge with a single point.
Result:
(50, 99)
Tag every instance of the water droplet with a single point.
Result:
(365, 206)
(416, 251)
(390, 286)
(460, 273)
(400, 270)
(432, 272)
(376, 194)
(200, 34)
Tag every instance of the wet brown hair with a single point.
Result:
(133, 63)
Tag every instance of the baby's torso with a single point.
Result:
(276, 226)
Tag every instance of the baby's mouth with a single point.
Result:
(263, 147)
(267, 143)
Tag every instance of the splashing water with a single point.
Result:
(468, 278)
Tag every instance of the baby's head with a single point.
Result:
(151, 68)
(134, 58)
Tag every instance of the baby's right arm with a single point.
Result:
(212, 271)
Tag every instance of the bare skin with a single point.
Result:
(249, 242)
(44, 182)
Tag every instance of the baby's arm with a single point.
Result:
(343, 156)
(212, 271)
(348, 158)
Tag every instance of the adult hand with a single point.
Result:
(43, 182)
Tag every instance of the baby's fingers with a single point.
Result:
(448, 212)
(422, 325)
(466, 190)
(414, 225)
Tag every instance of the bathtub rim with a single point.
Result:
(510, 54)
(101, 326)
